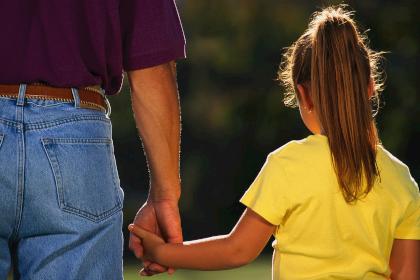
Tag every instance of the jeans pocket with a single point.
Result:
(86, 176)
(1, 139)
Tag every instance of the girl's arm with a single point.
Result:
(241, 246)
(405, 258)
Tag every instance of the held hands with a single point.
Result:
(152, 244)
(162, 219)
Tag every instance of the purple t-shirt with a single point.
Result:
(74, 43)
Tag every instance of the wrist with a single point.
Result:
(167, 254)
(171, 199)
(158, 253)
(168, 192)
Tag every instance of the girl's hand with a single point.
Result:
(161, 218)
(241, 246)
(151, 243)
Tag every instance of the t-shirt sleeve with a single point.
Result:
(151, 33)
(267, 194)
(409, 227)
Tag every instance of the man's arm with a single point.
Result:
(156, 110)
(155, 104)
(238, 248)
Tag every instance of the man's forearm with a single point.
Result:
(155, 104)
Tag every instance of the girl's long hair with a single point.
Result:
(333, 62)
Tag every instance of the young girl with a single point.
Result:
(339, 205)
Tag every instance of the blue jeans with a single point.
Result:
(60, 195)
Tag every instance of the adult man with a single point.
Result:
(61, 201)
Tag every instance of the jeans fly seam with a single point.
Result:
(21, 170)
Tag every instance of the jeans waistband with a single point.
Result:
(91, 97)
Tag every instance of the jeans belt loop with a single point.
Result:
(108, 105)
(76, 97)
(21, 96)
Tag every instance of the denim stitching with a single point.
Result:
(47, 105)
(52, 158)
(1, 140)
(58, 178)
(76, 98)
(4, 97)
(10, 123)
(112, 165)
(21, 170)
(77, 140)
(95, 218)
(43, 125)
(21, 157)
(20, 101)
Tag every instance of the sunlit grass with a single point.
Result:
(259, 269)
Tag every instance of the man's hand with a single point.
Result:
(161, 218)
(151, 243)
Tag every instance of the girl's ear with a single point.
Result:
(304, 98)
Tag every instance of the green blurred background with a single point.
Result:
(232, 107)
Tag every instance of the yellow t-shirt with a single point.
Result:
(319, 235)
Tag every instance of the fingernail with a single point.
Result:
(130, 226)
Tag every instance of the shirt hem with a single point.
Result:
(154, 59)
(410, 236)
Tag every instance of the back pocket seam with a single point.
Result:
(56, 169)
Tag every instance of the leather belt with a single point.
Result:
(90, 97)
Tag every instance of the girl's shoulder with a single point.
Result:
(392, 169)
(313, 146)
(386, 157)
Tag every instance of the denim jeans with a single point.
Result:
(60, 195)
